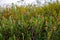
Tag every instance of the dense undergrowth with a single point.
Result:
(30, 22)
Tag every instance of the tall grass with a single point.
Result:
(30, 22)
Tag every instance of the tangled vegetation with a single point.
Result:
(30, 22)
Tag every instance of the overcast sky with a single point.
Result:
(7, 2)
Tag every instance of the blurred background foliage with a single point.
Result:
(30, 22)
